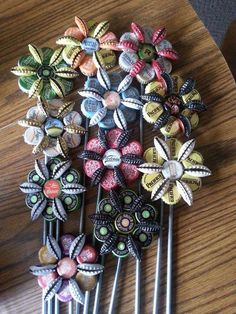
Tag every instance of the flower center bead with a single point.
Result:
(172, 170)
(147, 52)
(52, 189)
(173, 102)
(66, 267)
(125, 223)
(111, 158)
(45, 72)
(111, 100)
(90, 45)
(53, 127)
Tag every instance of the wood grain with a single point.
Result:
(204, 235)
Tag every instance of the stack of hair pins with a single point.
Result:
(125, 221)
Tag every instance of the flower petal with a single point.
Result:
(128, 46)
(57, 57)
(146, 75)
(104, 79)
(58, 210)
(115, 200)
(185, 124)
(58, 87)
(42, 270)
(98, 116)
(68, 41)
(36, 88)
(90, 269)
(65, 108)
(150, 167)
(159, 189)
(74, 32)
(62, 147)
(41, 169)
(94, 145)
(73, 188)
(60, 169)
(186, 149)
(23, 70)
(91, 166)
(134, 248)
(195, 105)
(119, 177)
(30, 187)
(91, 93)
(132, 159)
(108, 181)
(109, 244)
(187, 86)
(98, 60)
(127, 59)
(36, 53)
(101, 29)
(138, 31)
(52, 288)
(193, 182)
(119, 119)
(87, 66)
(38, 208)
(97, 176)
(75, 291)
(53, 247)
(77, 246)
(158, 35)
(125, 83)
(133, 147)
(66, 72)
(198, 171)
(130, 172)
(113, 137)
(185, 192)
(162, 148)
(168, 53)
(132, 103)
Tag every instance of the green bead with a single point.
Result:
(146, 214)
(103, 231)
(121, 246)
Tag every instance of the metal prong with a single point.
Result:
(156, 298)
(71, 307)
(169, 262)
(115, 285)
(86, 302)
(137, 287)
(98, 290)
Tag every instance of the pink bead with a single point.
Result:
(66, 268)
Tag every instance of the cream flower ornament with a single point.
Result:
(52, 127)
(173, 170)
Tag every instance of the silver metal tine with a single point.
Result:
(169, 262)
(115, 285)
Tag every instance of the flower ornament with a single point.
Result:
(67, 269)
(110, 101)
(89, 46)
(44, 73)
(173, 170)
(125, 224)
(52, 127)
(145, 53)
(111, 159)
(52, 189)
(173, 109)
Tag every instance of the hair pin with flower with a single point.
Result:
(52, 127)
(52, 189)
(89, 46)
(110, 101)
(68, 268)
(146, 53)
(44, 73)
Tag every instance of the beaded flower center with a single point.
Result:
(45, 72)
(111, 158)
(174, 103)
(147, 52)
(125, 223)
(53, 127)
(172, 170)
(66, 267)
(52, 189)
(90, 45)
(111, 100)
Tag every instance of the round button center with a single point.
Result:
(53, 127)
(66, 267)
(111, 100)
(45, 72)
(172, 170)
(90, 45)
(147, 52)
(111, 158)
(52, 189)
(125, 223)
(173, 102)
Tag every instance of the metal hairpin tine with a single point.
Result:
(81, 228)
(169, 262)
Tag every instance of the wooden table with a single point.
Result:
(204, 235)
